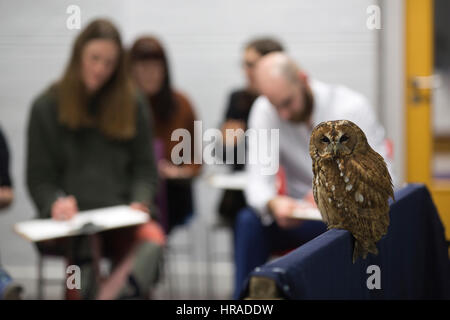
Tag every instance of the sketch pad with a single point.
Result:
(102, 219)
(306, 212)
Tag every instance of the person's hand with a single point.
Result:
(309, 198)
(139, 206)
(168, 170)
(233, 125)
(6, 197)
(282, 208)
(64, 208)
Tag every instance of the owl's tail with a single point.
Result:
(358, 251)
(362, 249)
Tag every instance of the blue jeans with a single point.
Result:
(254, 242)
(5, 281)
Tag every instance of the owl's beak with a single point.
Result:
(336, 148)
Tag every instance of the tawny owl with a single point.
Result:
(351, 183)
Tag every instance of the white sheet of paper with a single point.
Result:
(103, 219)
(230, 181)
(307, 212)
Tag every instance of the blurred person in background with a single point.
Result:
(236, 117)
(170, 110)
(89, 147)
(8, 288)
(6, 190)
(293, 103)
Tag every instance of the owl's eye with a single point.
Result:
(343, 139)
(325, 139)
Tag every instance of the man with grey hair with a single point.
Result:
(294, 104)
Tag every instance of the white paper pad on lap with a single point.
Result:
(307, 212)
(230, 181)
(103, 219)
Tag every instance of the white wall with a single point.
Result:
(204, 39)
(392, 81)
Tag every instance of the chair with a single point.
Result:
(172, 252)
(227, 256)
(61, 248)
(413, 259)
(214, 255)
(161, 203)
(45, 250)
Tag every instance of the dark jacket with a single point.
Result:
(5, 179)
(98, 171)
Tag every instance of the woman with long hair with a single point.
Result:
(89, 147)
(171, 110)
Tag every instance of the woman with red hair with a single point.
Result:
(171, 110)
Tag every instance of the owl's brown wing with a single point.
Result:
(314, 184)
(372, 188)
(372, 169)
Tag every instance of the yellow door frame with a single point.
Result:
(419, 48)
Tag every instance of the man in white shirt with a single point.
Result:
(293, 104)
